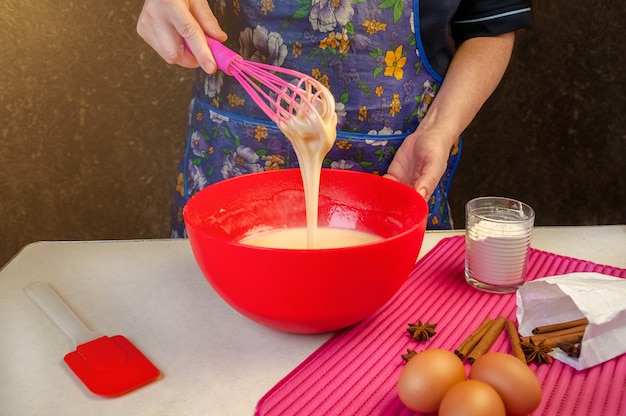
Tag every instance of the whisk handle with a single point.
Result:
(223, 56)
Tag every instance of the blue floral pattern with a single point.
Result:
(365, 51)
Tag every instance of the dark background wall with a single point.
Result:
(554, 132)
(92, 123)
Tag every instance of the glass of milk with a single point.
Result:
(497, 243)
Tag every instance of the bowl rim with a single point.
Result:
(412, 229)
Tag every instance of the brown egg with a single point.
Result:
(516, 384)
(472, 398)
(427, 377)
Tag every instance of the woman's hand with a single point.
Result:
(167, 24)
(421, 160)
(474, 73)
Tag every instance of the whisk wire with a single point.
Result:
(258, 95)
(277, 97)
(280, 98)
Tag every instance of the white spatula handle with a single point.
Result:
(60, 313)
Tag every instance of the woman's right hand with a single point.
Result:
(167, 24)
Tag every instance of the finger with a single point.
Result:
(191, 41)
(390, 176)
(196, 46)
(163, 37)
(196, 40)
(207, 20)
(172, 49)
(425, 185)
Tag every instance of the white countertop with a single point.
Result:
(213, 360)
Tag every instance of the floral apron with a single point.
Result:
(365, 51)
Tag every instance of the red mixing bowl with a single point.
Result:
(306, 291)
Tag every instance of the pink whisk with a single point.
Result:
(279, 99)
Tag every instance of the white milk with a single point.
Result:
(297, 238)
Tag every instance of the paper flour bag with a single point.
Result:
(599, 298)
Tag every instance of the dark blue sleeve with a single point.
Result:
(476, 18)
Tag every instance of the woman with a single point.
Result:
(408, 76)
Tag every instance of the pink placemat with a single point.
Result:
(356, 371)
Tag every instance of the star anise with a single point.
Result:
(421, 331)
(537, 353)
(409, 354)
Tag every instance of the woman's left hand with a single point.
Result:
(421, 160)
(474, 73)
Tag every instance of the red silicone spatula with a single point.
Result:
(108, 366)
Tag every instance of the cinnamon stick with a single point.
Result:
(516, 346)
(470, 342)
(554, 342)
(487, 340)
(580, 330)
(560, 326)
